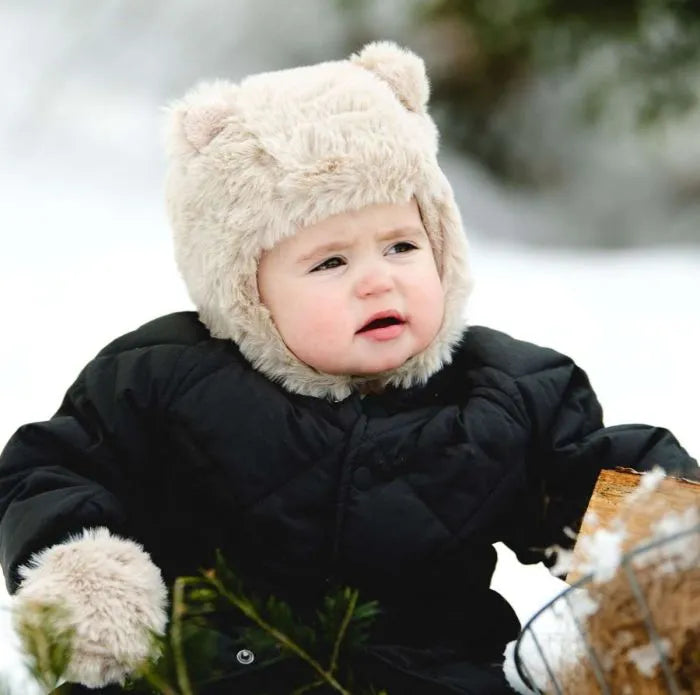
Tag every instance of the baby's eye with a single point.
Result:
(402, 247)
(334, 262)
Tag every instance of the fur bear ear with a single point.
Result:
(400, 68)
(195, 120)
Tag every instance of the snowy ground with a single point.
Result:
(79, 267)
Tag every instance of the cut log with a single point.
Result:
(611, 489)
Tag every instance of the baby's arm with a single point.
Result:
(67, 488)
(570, 446)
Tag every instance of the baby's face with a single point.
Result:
(357, 293)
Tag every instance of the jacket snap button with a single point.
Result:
(245, 657)
(362, 478)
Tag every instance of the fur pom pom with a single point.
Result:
(400, 68)
(111, 596)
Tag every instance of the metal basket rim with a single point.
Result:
(578, 584)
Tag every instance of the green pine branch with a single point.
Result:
(341, 626)
(185, 659)
(47, 642)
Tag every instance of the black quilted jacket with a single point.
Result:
(171, 438)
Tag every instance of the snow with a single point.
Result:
(650, 481)
(603, 548)
(680, 553)
(553, 635)
(647, 658)
(556, 636)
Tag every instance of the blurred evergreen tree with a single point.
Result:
(481, 53)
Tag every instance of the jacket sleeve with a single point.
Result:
(68, 491)
(84, 467)
(570, 446)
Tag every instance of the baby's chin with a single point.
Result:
(361, 369)
(377, 369)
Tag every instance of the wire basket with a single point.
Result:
(537, 652)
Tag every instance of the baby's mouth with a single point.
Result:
(391, 319)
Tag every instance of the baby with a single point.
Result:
(325, 417)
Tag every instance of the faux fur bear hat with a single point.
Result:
(252, 163)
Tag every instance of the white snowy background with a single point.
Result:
(85, 251)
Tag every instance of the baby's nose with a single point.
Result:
(374, 281)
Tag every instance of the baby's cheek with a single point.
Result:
(324, 319)
(317, 324)
(433, 309)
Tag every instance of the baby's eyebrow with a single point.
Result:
(335, 246)
(401, 232)
(322, 250)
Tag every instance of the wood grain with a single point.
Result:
(607, 503)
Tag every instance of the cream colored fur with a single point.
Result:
(112, 596)
(252, 163)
